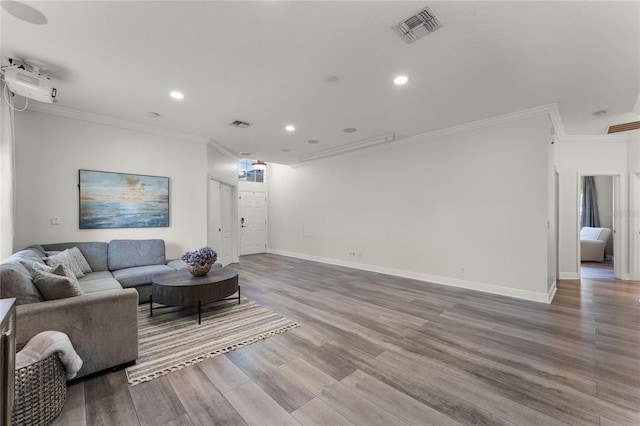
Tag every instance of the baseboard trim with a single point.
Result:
(434, 279)
(569, 276)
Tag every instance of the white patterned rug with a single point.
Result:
(172, 338)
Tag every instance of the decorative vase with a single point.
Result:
(199, 270)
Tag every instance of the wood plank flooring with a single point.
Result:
(596, 269)
(381, 350)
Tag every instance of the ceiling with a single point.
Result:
(270, 63)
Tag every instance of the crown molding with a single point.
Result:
(114, 122)
(556, 119)
(551, 110)
(387, 137)
(223, 150)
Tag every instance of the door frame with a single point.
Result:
(619, 231)
(239, 215)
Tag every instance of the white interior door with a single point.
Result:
(220, 236)
(226, 225)
(213, 237)
(253, 222)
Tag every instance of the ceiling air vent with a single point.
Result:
(240, 124)
(418, 25)
(634, 125)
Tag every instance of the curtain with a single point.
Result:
(7, 177)
(589, 209)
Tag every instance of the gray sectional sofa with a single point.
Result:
(102, 323)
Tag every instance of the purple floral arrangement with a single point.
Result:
(204, 256)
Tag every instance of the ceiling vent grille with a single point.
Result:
(418, 25)
(240, 124)
(625, 127)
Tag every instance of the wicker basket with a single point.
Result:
(41, 391)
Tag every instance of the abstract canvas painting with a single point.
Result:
(122, 200)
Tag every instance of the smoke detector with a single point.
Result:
(418, 25)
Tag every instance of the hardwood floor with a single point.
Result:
(596, 270)
(381, 350)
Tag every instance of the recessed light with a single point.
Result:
(244, 153)
(350, 130)
(313, 141)
(285, 150)
(400, 80)
(24, 12)
(290, 128)
(333, 79)
(153, 114)
(176, 95)
(601, 112)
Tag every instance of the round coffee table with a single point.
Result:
(180, 288)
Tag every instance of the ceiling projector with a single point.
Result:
(30, 84)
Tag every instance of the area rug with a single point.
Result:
(172, 338)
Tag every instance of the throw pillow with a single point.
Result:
(31, 265)
(65, 258)
(80, 260)
(63, 271)
(53, 286)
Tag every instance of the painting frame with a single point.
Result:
(108, 200)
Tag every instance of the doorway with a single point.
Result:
(597, 255)
(253, 222)
(221, 221)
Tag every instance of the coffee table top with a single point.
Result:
(185, 279)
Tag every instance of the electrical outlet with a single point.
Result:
(463, 269)
(55, 220)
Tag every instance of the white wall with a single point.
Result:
(50, 150)
(475, 201)
(633, 147)
(582, 156)
(221, 167)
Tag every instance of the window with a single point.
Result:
(246, 172)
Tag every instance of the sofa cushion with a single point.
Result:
(16, 282)
(28, 255)
(588, 233)
(58, 284)
(38, 249)
(178, 264)
(131, 253)
(94, 252)
(98, 281)
(140, 275)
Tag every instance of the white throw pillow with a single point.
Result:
(65, 258)
(80, 260)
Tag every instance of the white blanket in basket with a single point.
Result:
(46, 343)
